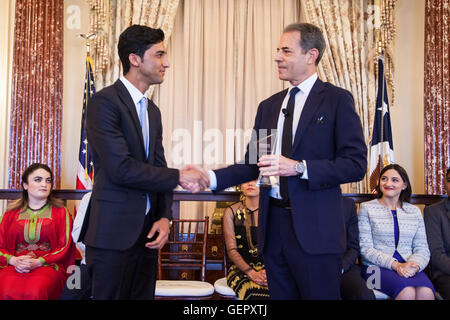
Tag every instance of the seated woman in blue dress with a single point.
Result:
(393, 241)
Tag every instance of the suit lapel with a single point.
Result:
(125, 96)
(312, 103)
(152, 130)
(276, 107)
(447, 207)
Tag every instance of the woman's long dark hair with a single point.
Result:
(405, 195)
(23, 201)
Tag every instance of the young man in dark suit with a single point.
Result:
(132, 194)
(301, 224)
(437, 225)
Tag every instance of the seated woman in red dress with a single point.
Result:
(35, 243)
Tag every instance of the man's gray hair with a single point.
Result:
(311, 37)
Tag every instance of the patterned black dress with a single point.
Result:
(243, 286)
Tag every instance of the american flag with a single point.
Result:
(382, 147)
(85, 172)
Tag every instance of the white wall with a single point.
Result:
(74, 73)
(6, 46)
(407, 115)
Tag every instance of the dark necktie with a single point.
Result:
(286, 142)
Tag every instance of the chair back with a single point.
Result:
(186, 247)
(225, 253)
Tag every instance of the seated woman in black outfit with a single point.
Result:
(246, 276)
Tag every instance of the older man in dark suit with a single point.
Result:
(132, 194)
(321, 145)
(437, 225)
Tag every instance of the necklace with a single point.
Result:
(39, 209)
(248, 220)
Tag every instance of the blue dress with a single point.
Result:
(390, 282)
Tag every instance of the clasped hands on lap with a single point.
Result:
(195, 179)
(25, 263)
(258, 277)
(405, 270)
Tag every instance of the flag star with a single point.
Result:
(383, 109)
(84, 151)
(85, 141)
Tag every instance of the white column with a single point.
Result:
(6, 46)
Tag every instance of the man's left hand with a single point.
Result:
(277, 165)
(162, 226)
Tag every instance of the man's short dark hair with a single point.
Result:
(448, 171)
(311, 37)
(137, 39)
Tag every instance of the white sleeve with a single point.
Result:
(79, 218)
(212, 180)
(305, 173)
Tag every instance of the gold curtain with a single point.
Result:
(222, 66)
(36, 111)
(110, 17)
(437, 94)
(350, 57)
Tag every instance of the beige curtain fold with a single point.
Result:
(110, 17)
(350, 57)
(437, 94)
(221, 54)
(388, 33)
(36, 102)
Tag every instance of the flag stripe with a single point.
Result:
(85, 166)
(382, 146)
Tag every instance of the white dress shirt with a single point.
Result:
(78, 223)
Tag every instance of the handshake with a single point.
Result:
(194, 178)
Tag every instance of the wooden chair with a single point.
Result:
(182, 262)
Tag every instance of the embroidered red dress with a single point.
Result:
(44, 235)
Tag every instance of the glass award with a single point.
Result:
(266, 146)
